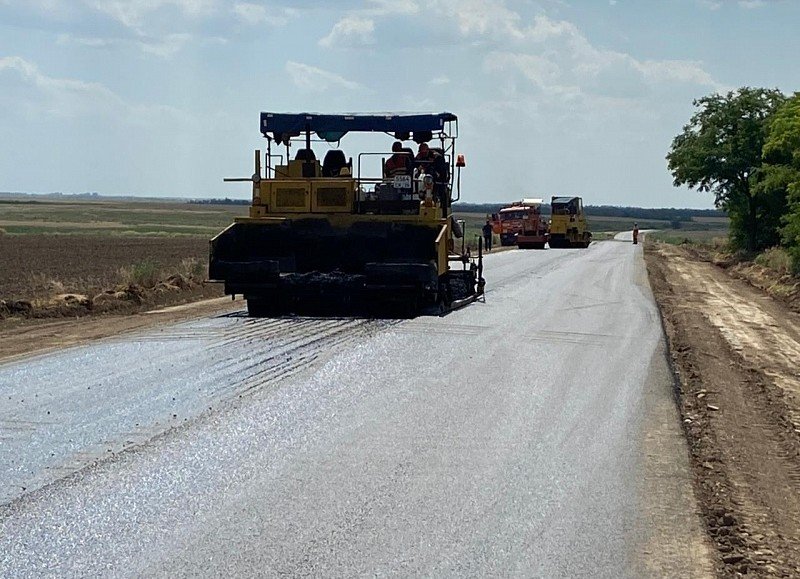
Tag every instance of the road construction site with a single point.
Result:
(534, 432)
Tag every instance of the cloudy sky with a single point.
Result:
(162, 97)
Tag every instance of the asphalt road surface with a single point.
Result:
(533, 434)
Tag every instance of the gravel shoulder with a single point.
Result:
(735, 354)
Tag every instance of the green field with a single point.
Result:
(717, 236)
(473, 223)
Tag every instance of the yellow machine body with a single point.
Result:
(568, 225)
(319, 240)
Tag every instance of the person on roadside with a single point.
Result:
(487, 235)
(635, 233)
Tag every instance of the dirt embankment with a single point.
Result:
(60, 290)
(783, 287)
(736, 354)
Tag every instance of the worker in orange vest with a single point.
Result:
(399, 163)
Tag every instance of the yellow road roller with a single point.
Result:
(568, 226)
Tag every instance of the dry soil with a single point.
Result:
(735, 353)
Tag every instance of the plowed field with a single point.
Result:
(33, 266)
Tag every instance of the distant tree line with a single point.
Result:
(744, 148)
(634, 213)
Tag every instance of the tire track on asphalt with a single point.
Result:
(53, 428)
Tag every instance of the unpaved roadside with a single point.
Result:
(24, 337)
(735, 352)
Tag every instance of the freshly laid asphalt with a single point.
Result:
(511, 437)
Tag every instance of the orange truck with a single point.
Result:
(521, 224)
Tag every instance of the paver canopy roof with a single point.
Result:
(334, 127)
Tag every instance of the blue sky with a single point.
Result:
(162, 97)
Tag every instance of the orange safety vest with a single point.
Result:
(397, 164)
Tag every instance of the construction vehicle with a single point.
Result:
(568, 227)
(535, 229)
(507, 224)
(522, 224)
(335, 237)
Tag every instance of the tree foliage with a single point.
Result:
(782, 170)
(720, 151)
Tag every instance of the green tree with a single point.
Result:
(782, 170)
(720, 151)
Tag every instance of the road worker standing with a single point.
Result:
(487, 235)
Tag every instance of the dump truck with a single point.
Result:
(568, 227)
(506, 224)
(521, 224)
(368, 235)
(534, 231)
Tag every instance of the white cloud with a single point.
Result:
(558, 59)
(313, 79)
(149, 24)
(254, 14)
(545, 28)
(132, 13)
(750, 4)
(85, 41)
(539, 70)
(357, 27)
(717, 4)
(71, 98)
(350, 31)
(250, 13)
(481, 17)
(164, 46)
(52, 9)
(381, 8)
(676, 70)
(440, 81)
(61, 96)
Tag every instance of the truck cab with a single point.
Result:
(522, 224)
